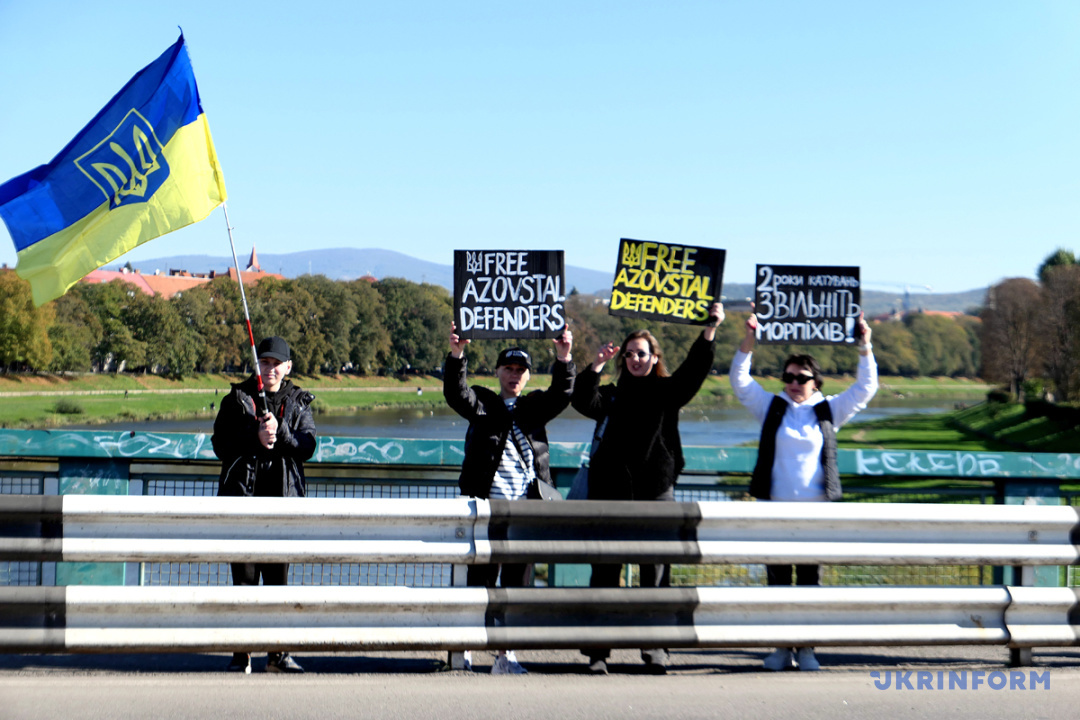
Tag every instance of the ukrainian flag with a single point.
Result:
(143, 167)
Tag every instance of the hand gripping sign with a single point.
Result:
(807, 305)
(509, 293)
(673, 283)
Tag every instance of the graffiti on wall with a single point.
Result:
(965, 464)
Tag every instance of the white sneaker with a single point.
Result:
(780, 659)
(806, 659)
(468, 660)
(503, 665)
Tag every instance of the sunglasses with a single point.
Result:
(789, 378)
(640, 354)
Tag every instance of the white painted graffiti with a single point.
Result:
(921, 462)
(1061, 464)
(116, 444)
(331, 449)
(132, 444)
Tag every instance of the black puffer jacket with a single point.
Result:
(248, 468)
(489, 423)
(640, 456)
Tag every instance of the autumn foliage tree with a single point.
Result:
(24, 329)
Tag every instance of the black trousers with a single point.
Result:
(804, 574)
(513, 575)
(271, 573)
(652, 575)
(249, 573)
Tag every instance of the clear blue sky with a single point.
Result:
(931, 143)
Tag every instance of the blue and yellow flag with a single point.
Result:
(143, 167)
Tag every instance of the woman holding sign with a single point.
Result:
(640, 455)
(797, 452)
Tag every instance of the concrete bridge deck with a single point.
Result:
(701, 684)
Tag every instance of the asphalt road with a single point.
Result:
(701, 684)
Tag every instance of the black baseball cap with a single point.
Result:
(275, 347)
(514, 356)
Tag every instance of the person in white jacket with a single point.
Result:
(797, 451)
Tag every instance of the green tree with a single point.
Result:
(1059, 258)
(418, 319)
(369, 340)
(942, 345)
(114, 304)
(169, 341)
(24, 329)
(284, 308)
(75, 332)
(222, 329)
(894, 349)
(336, 316)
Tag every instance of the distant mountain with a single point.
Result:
(351, 263)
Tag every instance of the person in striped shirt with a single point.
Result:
(506, 446)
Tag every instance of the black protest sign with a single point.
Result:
(807, 305)
(509, 293)
(673, 283)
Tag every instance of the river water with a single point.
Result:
(720, 425)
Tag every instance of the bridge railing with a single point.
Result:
(86, 528)
(467, 531)
(112, 463)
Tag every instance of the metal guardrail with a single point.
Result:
(145, 619)
(110, 468)
(95, 528)
(122, 619)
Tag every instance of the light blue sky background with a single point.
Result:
(930, 143)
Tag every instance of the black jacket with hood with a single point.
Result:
(248, 468)
(489, 423)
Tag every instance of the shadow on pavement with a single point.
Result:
(543, 662)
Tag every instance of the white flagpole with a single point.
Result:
(247, 316)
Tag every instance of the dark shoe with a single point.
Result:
(598, 667)
(655, 661)
(240, 663)
(282, 663)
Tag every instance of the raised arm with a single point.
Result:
(687, 379)
(747, 391)
(853, 400)
(586, 397)
(556, 397)
(459, 396)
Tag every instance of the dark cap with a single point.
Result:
(274, 347)
(514, 356)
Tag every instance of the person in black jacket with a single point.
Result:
(640, 454)
(262, 455)
(506, 446)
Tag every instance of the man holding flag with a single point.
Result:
(143, 167)
(262, 448)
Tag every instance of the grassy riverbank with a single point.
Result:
(108, 398)
(41, 401)
(914, 432)
(994, 427)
